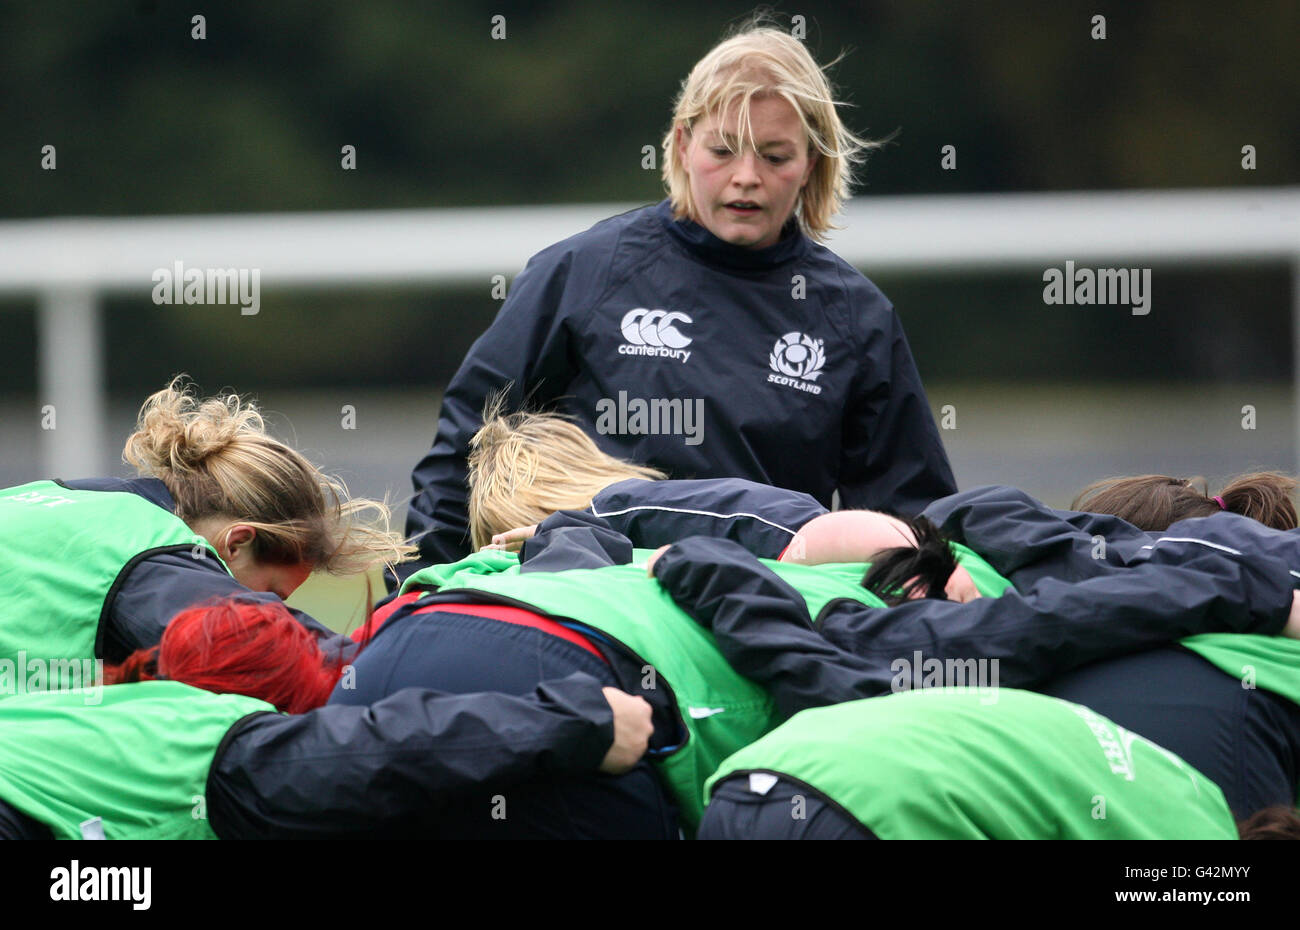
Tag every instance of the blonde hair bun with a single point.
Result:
(175, 432)
(216, 459)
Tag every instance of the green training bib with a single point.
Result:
(959, 763)
(121, 762)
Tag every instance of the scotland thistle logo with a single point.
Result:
(798, 356)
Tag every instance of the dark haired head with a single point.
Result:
(897, 574)
(1271, 823)
(1155, 502)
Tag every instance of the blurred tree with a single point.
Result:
(148, 120)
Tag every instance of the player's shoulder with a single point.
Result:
(603, 239)
(836, 272)
(852, 303)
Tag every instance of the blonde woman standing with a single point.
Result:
(711, 335)
(96, 568)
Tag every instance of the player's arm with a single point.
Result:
(761, 625)
(1025, 541)
(345, 770)
(760, 517)
(525, 352)
(570, 539)
(763, 628)
(1058, 626)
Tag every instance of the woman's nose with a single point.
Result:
(746, 173)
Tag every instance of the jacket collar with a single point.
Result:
(151, 489)
(700, 242)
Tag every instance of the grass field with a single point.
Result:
(339, 603)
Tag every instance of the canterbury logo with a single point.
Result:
(796, 360)
(643, 327)
(654, 332)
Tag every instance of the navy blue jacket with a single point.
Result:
(651, 514)
(761, 623)
(1025, 540)
(796, 361)
(153, 590)
(851, 651)
(389, 769)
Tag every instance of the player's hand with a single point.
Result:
(650, 562)
(512, 540)
(632, 730)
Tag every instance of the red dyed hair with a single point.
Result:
(238, 647)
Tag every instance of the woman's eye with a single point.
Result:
(720, 152)
(778, 159)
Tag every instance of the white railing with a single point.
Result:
(69, 263)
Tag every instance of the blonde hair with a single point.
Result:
(216, 459)
(762, 61)
(523, 467)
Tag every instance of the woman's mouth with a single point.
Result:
(743, 207)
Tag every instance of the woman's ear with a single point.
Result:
(681, 139)
(235, 541)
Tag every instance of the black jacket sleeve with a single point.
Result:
(382, 770)
(1026, 541)
(570, 539)
(1226, 532)
(760, 517)
(891, 456)
(763, 628)
(1058, 626)
(154, 590)
(526, 349)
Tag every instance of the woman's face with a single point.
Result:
(745, 197)
(280, 580)
(234, 543)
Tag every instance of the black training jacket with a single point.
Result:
(388, 769)
(1025, 540)
(853, 651)
(651, 514)
(796, 365)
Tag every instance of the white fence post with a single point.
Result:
(1295, 353)
(71, 383)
